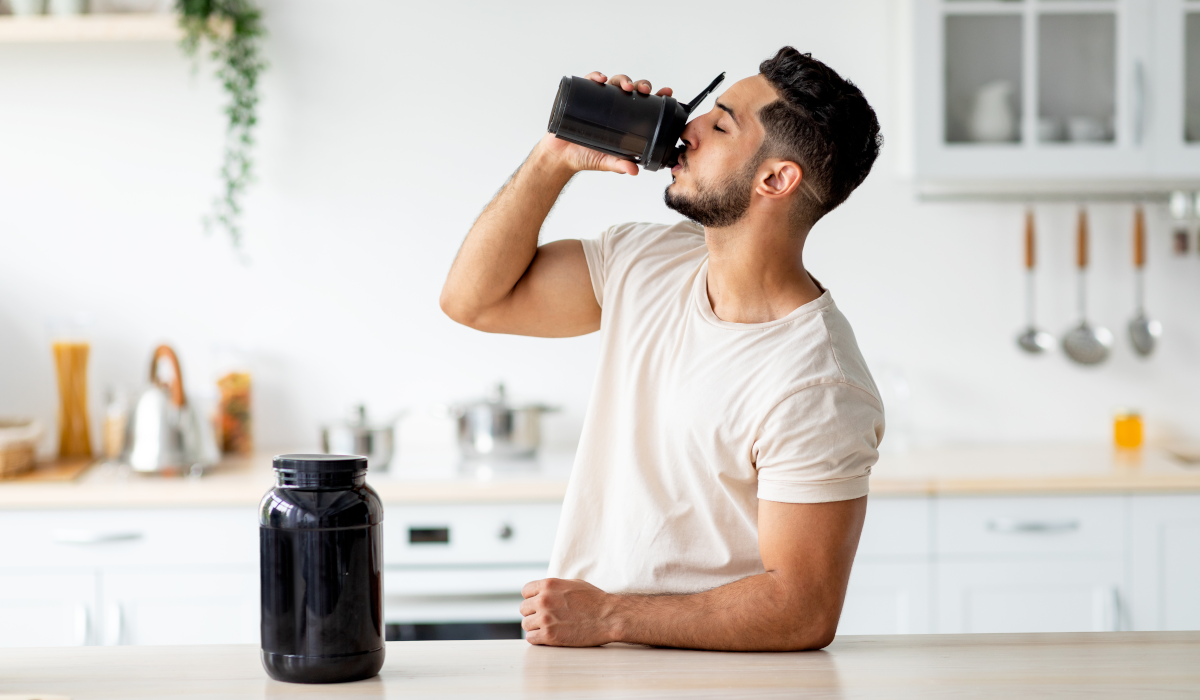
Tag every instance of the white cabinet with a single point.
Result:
(1031, 564)
(1021, 594)
(1044, 95)
(887, 598)
(47, 609)
(1165, 562)
(1174, 118)
(889, 591)
(181, 606)
(134, 576)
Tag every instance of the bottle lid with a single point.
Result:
(320, 463)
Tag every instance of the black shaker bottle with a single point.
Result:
(321, 566)
(628, 125)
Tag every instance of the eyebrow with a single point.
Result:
(730, 112)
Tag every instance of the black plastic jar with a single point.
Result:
(321, 567)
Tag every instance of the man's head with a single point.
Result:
(797, 135)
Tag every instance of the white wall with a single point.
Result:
(386, 127)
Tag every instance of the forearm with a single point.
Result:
(758, 613)
(504, 240)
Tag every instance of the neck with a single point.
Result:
(756, 270)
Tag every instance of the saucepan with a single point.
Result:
(492, 428)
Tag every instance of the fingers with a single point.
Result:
(531, 589)
(528, 607)
(618, 165)
(536, 637)
(628, 84)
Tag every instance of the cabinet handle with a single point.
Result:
(1018, 527)
(1139, 102)
(114, 624)
(93, 537)
(83, 624)
(506, 532)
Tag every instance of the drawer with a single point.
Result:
(516, 533)
(128, 537)
(896, 527)
(1031, 525)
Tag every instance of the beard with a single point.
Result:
(715, 206)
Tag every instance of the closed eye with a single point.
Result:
(720, 129)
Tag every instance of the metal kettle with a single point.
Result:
(166, 434)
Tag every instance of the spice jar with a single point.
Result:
(1127, 429)
(321, 560)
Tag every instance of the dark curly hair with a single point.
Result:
(823, 123)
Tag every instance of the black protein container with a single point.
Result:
(628, 125)
(321, 566)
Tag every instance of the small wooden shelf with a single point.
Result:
(88, 28)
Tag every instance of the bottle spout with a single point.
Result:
(704, 93)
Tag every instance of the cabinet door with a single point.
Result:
(1166, 562)
(1061, 594)
(47, 609)
(887, 598)
(180, 606)
(1031, 92)
(1175, 86)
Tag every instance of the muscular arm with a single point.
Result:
(502, 281)
(807, 551)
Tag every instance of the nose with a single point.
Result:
(690, 136)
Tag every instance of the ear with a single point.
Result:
(779, 179)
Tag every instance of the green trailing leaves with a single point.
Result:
(233, 30)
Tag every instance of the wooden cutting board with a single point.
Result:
(55, 470)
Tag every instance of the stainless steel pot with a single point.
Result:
(357, 436)
(493, 428)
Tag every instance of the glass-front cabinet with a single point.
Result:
(1069, 95)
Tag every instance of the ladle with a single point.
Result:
(1143, 331)
(1032, 341)
(1085, 344)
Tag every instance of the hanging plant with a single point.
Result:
(233, 29)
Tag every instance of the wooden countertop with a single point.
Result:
(440, 477)
(1116, 665)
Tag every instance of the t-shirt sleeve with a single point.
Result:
(818, 445)
(594, 251)
(610, 256)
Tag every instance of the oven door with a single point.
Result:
(455, 602)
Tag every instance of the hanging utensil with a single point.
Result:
(1143, 331)
(1032, 341)
(1085, 344)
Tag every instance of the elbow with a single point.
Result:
(815, 632)
(805, 639)
(456, 310)
(815, 639)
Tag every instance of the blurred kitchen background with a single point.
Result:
(385, 127)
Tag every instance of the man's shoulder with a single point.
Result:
(650, 249)
(838, 345)
(651, 236)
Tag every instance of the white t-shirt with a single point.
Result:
(693, 419)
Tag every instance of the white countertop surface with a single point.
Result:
(441, 476)
(1110, 665)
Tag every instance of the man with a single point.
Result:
(720, 484)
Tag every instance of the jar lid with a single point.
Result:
(319, 463)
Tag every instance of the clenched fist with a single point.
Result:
(566, 613)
